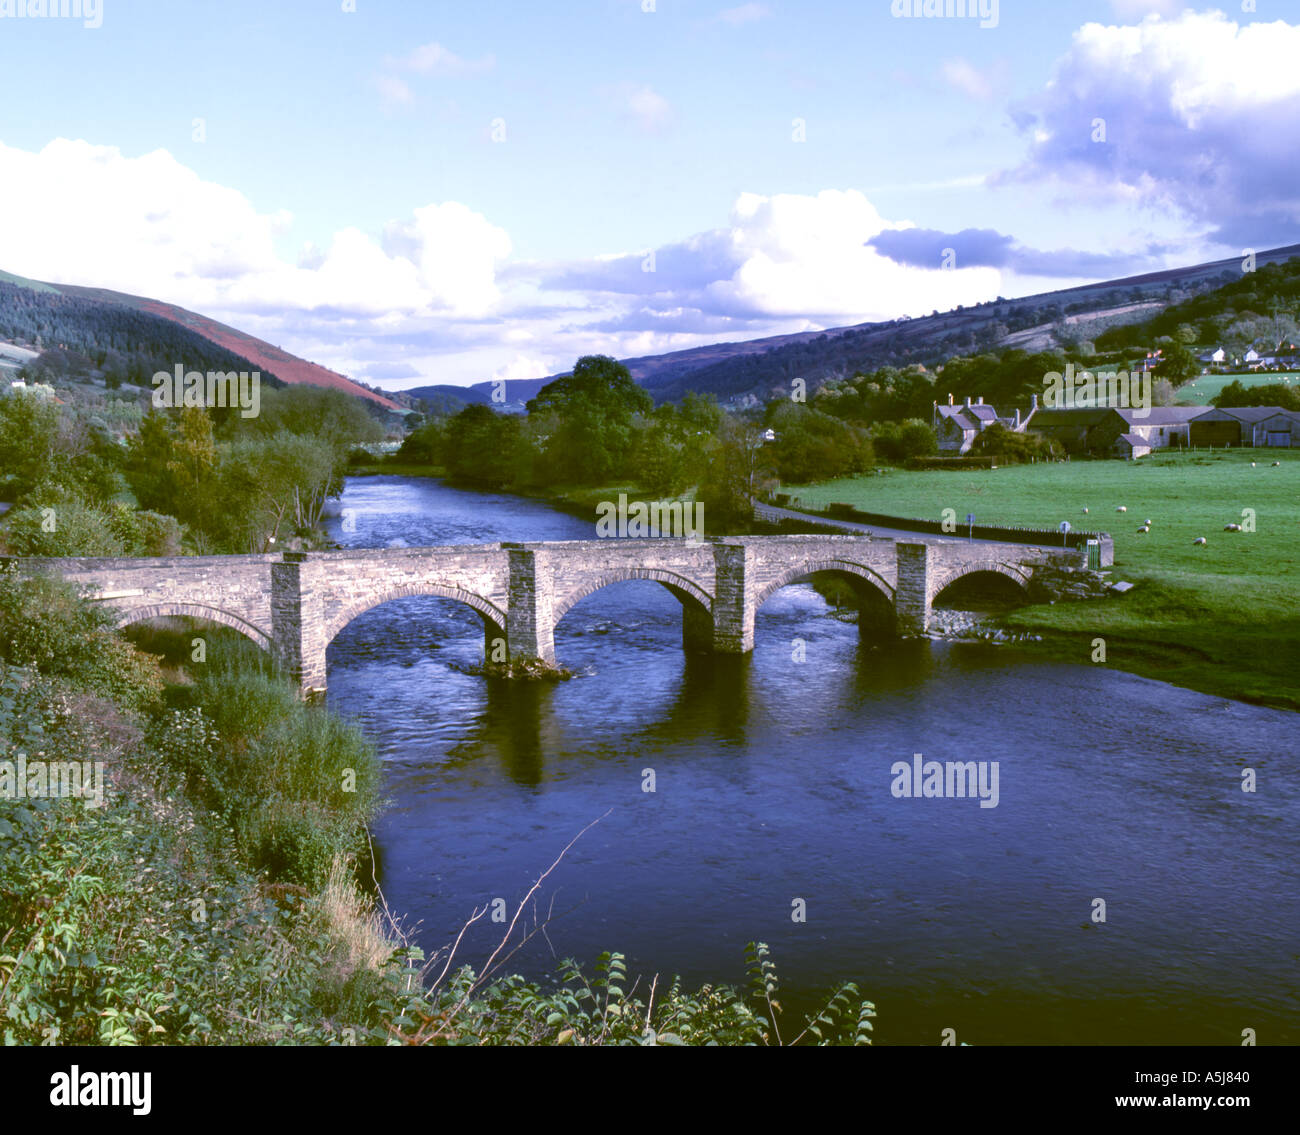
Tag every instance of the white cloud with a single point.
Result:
(85, 214)
(649, 109)
(1140, 9)
(434, 59)
(967, 78)
(1205, 121)
(526, 366)
(393, 90)
(806, 256)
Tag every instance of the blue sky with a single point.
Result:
(437, 192)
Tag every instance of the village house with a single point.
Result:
(957, 427)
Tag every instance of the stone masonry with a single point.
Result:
(294, 604)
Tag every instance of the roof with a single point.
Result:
(1248, 413)
(1134, 440)
(981, 411)
(1160, 415)
(1082, 417)
(955, 415)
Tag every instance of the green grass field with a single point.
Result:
(1223, 618)
(1201, 389)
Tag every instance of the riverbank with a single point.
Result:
(207, 891)
(1222, 618)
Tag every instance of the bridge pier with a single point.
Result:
(912, 591)
(733, 598)
(530, 615)
(297, 620)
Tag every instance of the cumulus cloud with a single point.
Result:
(1197, 115)
(782, 257)
(152, 226)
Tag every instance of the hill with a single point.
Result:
(94, 321)
(755, 369)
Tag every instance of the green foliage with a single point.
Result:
(610, 1009)
(1012, 448)
(46, 625)
(294, 782)
(592, 412)
(28, 443)
(1236, 393)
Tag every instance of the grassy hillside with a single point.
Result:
(1201, 390)
(1223, 618)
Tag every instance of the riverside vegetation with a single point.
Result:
(215, 897)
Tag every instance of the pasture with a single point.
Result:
(1223, 617)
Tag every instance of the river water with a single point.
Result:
(772, 784)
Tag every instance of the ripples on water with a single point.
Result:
(773, 784)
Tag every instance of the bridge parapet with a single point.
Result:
(296, 602)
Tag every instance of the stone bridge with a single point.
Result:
(293, 604)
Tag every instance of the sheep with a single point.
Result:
(1232, 527)
(1147, 523)
(1252, 465)
(1275, 463)
(1199, 540)
(1145, 528)
(1085, 511)
(1121, 508)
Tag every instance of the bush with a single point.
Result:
(45, 624)
(296, 783)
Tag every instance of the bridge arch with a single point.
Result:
(493, 617)
(799, 573)
(686, 591)
(129, 615)
(1016, 575)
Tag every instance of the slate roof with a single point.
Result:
(1135, 439)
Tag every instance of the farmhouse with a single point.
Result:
(957, 427)
(1100, 430)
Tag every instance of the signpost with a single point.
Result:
(1065, 528)
(970, 526)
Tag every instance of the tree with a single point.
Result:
(29, 428)
(1179, 364)
(593, 410)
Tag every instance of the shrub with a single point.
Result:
(45, 624)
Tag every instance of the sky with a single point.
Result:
(427, 192)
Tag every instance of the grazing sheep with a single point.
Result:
(1199, 540)
(1147, 522)
(1144, 528)
(1232, 527)
(1275, 463)
(1122, 508)
(1252, 465)
(1086, 511)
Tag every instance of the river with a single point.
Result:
(772, 784)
